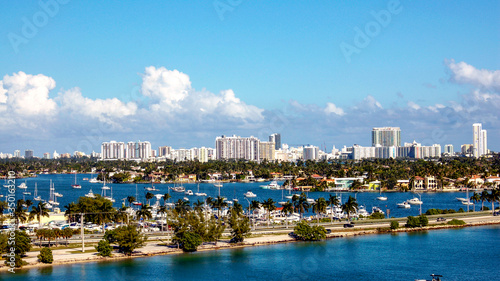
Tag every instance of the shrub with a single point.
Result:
(128, 239)
(419, 221)
(394, 225)
(377, 216)
(45, 256)
(190, 241)
(461, 210)
(103, 248)
(15, 261)
(303, 231)
(456, 222)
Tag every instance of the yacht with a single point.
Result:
(22, 186)
(272, 185)
(185, 199)
(382, 198)
(178, 189)
(250, 194)
(47, 205)
(93, 180)
(310, 200)
(90, 194)
(377, 210)
(57, 194)
(362, 211)
(189, 192)
(467, 203)
(415, 201)
(404, 205)
(462, 199)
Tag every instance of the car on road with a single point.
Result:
(328, 231)
(348, 225)
(292, 234)
(441, 219)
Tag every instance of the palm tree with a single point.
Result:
(39, 211)
(144, 213)
(287, 209)
(319, 207)
(130, 200)
(19, 213)
(350, 207)
(237, 207)
(166, 197)
(475, 198)
(149, 196)
(300, 203)
(484, 197)
(219, 203)
(182, 206)
(493, 197)
(3, 206)
(198, 205)
(333, 200)
(71, 211)
(269, 206)
(163, 211)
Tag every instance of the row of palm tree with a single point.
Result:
(492, 197)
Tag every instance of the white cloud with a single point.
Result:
(28, 95)
(105, 110)
(413, 105)
(332, 108)
(171, 93)
(464, 73)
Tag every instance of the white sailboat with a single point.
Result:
(136, 203)
(52, 197)
(380, 197)
(90, 194)
(76, 186)
(110, 198)
(22, 185)
(200, 193)
(36, 197)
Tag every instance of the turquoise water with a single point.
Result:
(458, 254)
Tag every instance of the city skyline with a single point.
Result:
(320, 73)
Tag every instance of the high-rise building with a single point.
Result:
(113, 150)
(164, 151)
(386, 136)
(266, 150)
(17, 153)
(28, 153)
(466, 149)
(448, 149)
(46, 155)
(276, 138)
(203, 154)
(479, 140)
(236, 147)
(311, 152)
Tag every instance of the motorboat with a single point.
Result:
(362, 211)
(90, 194)
(22, 186)
(185, 199)
(467, 203)
(282, 203)
(272, 185)
(189, 192)
(218, 184)
(228, 201)
(93, 180)
(289, 196)
(135, 203)
(178, 189)
(152, 188)
(47, 205)
(26, 193)
(382, 198)
(415, 201)
(250, 194)
(377, 210)
(404, 205)
(462, 199)
(310, 200)
(57, 194)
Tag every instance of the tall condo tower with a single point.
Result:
(479, 140)
(386, 136)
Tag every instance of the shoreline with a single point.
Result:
(153, 249)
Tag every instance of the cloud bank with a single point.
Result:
(173, 113)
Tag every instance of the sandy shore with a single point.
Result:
(68, 255)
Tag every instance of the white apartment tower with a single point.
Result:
(236, 147)
(386, 136)
(479, 140)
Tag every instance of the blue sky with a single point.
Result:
(282, 61)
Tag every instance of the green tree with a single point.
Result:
(240, 226)
(475, 198)
(130, 200)
(333, 200)
(144, 213)
(128, 239)
(300, 203)
(269, 206)
(45, 256)
(303, 231)
(319, 207)
(190, 241)
(103, 248)
(71, 211)
(287, 210)
(394, 225)
(38, 212)
(149, 196)
(350, 207)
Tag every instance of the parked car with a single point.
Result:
(441, 219)
(292, 234)
(328, 231)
